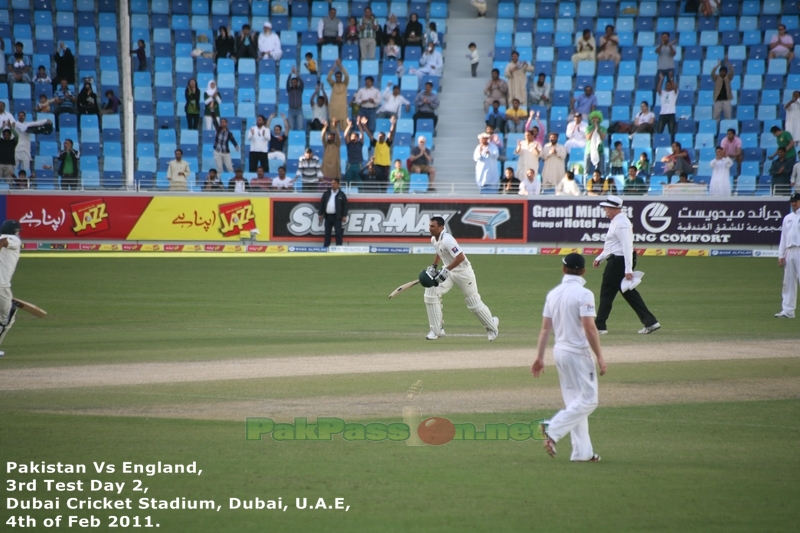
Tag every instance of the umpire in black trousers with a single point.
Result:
(620, 262)
(333, 208)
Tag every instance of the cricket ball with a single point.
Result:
(436, 431)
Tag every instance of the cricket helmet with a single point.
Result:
(426, 280)
(10, 227)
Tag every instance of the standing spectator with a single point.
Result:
(309, 170)
(399, 177)
(319, 108)
(430, 64)
(422, 161)
(722, 89)
(538, 130)
(393, 102)
(530, 186)
(528, 151)
(222, 141)
(277, 140)
(795, 179)
(269, 44)
(3, 77)
(368, 99)
(576, 133)
(432, 35)
(212, 100)
(112, 103)
(367, 34)
(709, 8)
(283, 182)
(246, 45)
(333, 209)
(68, 170)
(495, 138)
(481, 6)
(586, 49)
(568, 186)
(678, 161)
(141, 56)
(22, 153)
(310, 64)
(330, 31)
(338, 83)
(351, 31)
(666, 58)
(294, 89)
(554, 155)
(259, 138)
(732, 146)
(66, 101)
(355, 145)
(516, 73)
(42, 77)
(6, 119)
(261, 182)
(413, 33)
(609, 47)
(496, 89)
(331, 154)
(793, 117)
(212, 182)
(595, 143)
(781, 45)
(617, 159)
(192, 107)
(427, 102)
(789, 258)
(515, 118)
(8, 147)
(584, 103)
(391, 32)
(669, 100)
(720, 184)
(238, 183)
(382, 152)
(65, 66)
(780, 170)
(786, 141)
(474, 58)
(509, 183)
(178, 172)
(485, 157)
(87, 101)
(225, 45)
(540, 92)
(645, 121)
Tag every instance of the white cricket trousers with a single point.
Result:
(578, 378)
(6, 317)
(791, 277)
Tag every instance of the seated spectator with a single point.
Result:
(432, 35)
(261, 182)
(540, 92)
(391, 32)
(178, 172)
(19, 71)
(683, 178)
(330, 30)
(594, 151)
(65, 100)
(720, 184)
(68, 170)
(368, 31)
(212, 183)
(568, 186)
(212, 99)
(87, 101)
(246, 44)
(238, 183)
(515, 118)
(617, 159)
(393, 102)
(413, 34)
(509, 184)
(399, 177)
(368, 99)
(42, 77)
(645, 121)
(277, 141)
(677, 162)
(793, 117)
(576, 133)
(780, 170)
(666, 58)
(635, 184)
(354, 141)
(784, 141)
(722, 89)
(112, 103)
(224, 45)
(430, 64)
(21, 181)
(496, 118)
(422, 161)
(496, 89)
(141, 56)
(351, 31)
(331, 155)
(269, 44)
(530, 186)
(609, 47)
(370, 178)
(594, 187)
(643, 166)
(781, 45)
(709, 8)
(427, 102)
(610, 186)
(309, 170)
(282, 183)
(554, 155)
(732, 146)
(319, 108)
(586, 49)
(585, 103)
(44, 105)
(669, 99)
(311, 65)
(391, 50)
(3, 61)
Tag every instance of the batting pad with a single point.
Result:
(12, 316)
(433, 304)
(480, 310)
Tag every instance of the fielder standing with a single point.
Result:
(10, 245)
(569, 310)
(456, 270)
(789, 258)
(621, 260)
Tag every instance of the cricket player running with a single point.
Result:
(456, 270)
(10, 245)
(569, 310)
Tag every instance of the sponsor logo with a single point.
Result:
(173, 247)
(676, 253)
(90, 247)
(732, 253)
(307, 249)
(766, 253)
(653, 217)
(388, 250)
(592, 251)
(236, 218)
(517, 250)
(89, 217)
(550, 251)
(399, 219)
(654, 251)
(423, 250)
(488, 218)
(131, 247)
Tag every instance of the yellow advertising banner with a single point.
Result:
(203, 218)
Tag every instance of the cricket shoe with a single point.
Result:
(649, 329)
(2, 354)
(433, 336)
(594, 459)
(549, 444)
(602, 331)
(783, 314)
(493, 334)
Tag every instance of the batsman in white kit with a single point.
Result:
(569, 311)
(456, 270)
(10, 245)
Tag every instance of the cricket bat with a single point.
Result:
(403, 287)
(29, 307)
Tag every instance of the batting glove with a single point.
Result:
(442, 275)
(431, 271)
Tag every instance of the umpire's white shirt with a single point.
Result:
(448, 249)
(619, 241)
(565, 305)
(790, 233)
(9, 257)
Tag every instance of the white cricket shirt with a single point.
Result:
(9, 256)
(790, 233)
(619, 241)
(565, 305)
(448, 249)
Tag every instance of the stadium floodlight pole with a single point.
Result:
(127, 92)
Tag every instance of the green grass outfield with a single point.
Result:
(696, 466)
